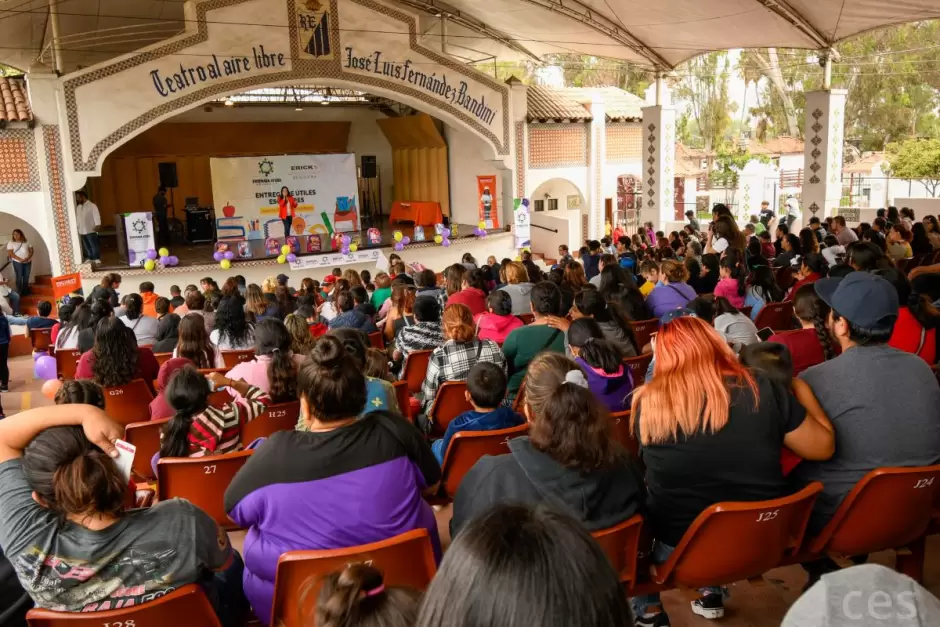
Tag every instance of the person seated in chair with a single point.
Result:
(486, 391)
(42, 321)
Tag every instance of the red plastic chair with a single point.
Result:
(620, 432)
(404, 398)
(202, 481)
(467, 447)
(527, 318)
(890, 508)
(621, 543)
(233, 358)
(146, 437)
(41, 340)
(376, 340)
(518, 403)
(729, 542)
(281, 417)
(162, 358)
(129, 403)
(189, 602)
(643, 330)
(450, 402)
(66, 363)
(639, 365)
(776, 317)
(784, 277)
(405, 560)
(415, 369)
(747, 310)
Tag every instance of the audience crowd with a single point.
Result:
(765, 371)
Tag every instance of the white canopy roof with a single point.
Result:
(659, 34)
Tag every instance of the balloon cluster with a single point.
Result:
(163, 256)
(444, 238)
(224, 258)
(480, 230)
(401, 241)
(286, 255)
(347, 245)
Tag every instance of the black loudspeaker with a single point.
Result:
(369, 167)
(168, 175)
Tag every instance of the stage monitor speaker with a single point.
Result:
(369, 167)
(168, 175)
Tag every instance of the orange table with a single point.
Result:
(421, 213)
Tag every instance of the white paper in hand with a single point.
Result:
(125, 458)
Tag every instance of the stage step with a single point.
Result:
(43, 279)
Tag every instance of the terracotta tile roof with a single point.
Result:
(553, 104)
(783, 145)
(619, 105)
(865, 164)
(14, 103)
(689, 160)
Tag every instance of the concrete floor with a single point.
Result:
(750, 605)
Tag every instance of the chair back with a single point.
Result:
(280, 417)
(415, 369)
(784, 277)
(405, 560)
(129, 403)
(643, 330)
(761, 532)
(403, 396)
(162, 358)
(146, 437)
(747, 310)
(42, 339)
(775, 316)
(467, 447)
(620, 432)
(450, 402)
(639, 365)
(188, 601)
(376, 340)
(862, 524)
(66, 363)
(202, 481)
(519, 402)
(620, 543)
(233, 358)
(526, 318)
(219, 399)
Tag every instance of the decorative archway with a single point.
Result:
(356, 44)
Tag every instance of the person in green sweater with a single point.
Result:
(383, 290)
(523, 344)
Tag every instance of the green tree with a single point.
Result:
(704, 85)
(916, 159)
(727, 167)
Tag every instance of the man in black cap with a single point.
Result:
(884, 404)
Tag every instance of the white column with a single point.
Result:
(659, 165)
(822, 172)
(597, 145)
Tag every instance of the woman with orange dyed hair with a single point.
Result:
(710, 431)
(453, 360)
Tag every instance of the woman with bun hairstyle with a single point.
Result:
(343, 482)
(358, 597)
(144, 327)
(602, 364)
(569, 461)
(523, 344)
(62, 510)
(674, 292)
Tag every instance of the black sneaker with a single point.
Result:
(656, 620)
(710, 606)
(4, 387)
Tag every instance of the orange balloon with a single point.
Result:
(50, 387)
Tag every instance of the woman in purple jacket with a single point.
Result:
(602, 364)
(674, 292)
(346, 481)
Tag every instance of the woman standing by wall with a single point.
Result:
(21, 254)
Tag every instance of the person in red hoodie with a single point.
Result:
(472, 293)
(150, 299)
(498, 322)
(813, 266)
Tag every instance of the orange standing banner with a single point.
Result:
(486, 192)
(65, 285)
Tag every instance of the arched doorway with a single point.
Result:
(558, 205)
(41, 264)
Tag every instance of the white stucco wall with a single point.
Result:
(27, 212)
(468, 157)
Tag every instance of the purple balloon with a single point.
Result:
(445, 243)
(39, 354)
(345, 250)
(151, 254)
(399, 246)
(218, 256)
(405, 240)
(45, 368)
(165, 260)
(173, 260)
(292, 258)
(525, 203)
(229, 255)
(445, 233)
(346, 240)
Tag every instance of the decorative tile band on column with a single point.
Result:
(651, 161)
(55, 166)
(19, 168)
(815, 140)
(520, 159)
(599, 156)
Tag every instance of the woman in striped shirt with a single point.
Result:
(196, 429)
